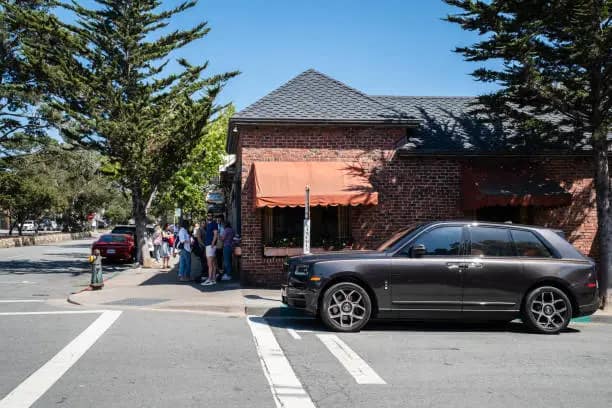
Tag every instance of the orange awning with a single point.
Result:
(282, 184)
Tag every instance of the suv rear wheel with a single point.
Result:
(346, 307)
(547, 310)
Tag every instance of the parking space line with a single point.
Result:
(22, 301)
(294, 334)
(33, 387)
(355, 365)
(286, 388)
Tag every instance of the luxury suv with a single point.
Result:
(449, 270)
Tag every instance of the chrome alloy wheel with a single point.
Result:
(347, 308)
(549, 310)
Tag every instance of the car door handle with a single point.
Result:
(475, 265)
(452, 266)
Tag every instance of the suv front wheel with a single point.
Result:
(547, 310)
(346, 307)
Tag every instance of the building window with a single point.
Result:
(329, 226)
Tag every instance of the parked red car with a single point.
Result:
(115, 246)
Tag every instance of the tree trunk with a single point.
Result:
(12, 227)
(139, 212)
(604, 227)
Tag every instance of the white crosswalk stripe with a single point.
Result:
(355, 365)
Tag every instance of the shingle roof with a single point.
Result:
(458, 125)
(437, 124)
(313, 96)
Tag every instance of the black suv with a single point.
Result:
(449, 270)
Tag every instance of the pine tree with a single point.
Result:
(22, 122)
(107, 77)
(556, 62)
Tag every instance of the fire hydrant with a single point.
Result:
(96, 270)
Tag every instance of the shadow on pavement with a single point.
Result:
(170, 277)
(72, 267)
(277, 320)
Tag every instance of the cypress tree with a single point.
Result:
(107, 80)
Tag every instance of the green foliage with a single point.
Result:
(186, 189)
(105, 74)
(57, 182)
(555, 65)
(119, 210)
(22, 116)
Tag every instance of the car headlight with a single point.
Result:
(301, 270)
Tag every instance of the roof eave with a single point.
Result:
(406, 122)
(455, 154)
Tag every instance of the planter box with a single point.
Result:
(275, 251)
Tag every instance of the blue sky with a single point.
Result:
(380, 47)
(383, 47)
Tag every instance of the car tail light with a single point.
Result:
(592, 281)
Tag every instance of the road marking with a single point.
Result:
(53, 312)
(22, 301)
(286, 389)
(42, 379)
(294, 334)
(12, 257)
(355, 365)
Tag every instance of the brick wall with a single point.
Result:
(579, 219)
(410, 189)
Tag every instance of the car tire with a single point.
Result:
(547, 310)
(346, 307)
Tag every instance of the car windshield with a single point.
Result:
(112, 238)
(398, 236)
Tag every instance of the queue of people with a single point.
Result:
(212, 242)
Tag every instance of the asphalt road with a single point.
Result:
(53, 354)
(47, 271)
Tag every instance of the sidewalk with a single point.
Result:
(157, 289)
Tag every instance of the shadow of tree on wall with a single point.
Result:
(463, 133)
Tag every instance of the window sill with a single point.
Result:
(285, 251)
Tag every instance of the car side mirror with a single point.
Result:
(418, 251)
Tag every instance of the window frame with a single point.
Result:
(555, 254)
(510, 239)
(401, 252)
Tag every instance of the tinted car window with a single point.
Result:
(112, 238)
(528, 245)
(490, 242)
(443, 241)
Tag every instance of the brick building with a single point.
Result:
(406, 159)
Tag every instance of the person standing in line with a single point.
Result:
(219, 246)
(211, 235)
(184, 246)
(228, 246)
(157, 243)
(166, 246)
(199, 238)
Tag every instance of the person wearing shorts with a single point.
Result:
(210, 236)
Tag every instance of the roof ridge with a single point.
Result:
(424, 96)
(355, 90)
